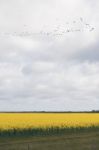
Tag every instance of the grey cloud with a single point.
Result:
(41, 72)
(90, 53)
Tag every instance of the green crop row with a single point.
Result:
(46, 131)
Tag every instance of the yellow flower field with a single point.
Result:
(43, 120)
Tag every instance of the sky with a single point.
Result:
(49, 56)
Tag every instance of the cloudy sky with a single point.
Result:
(49, 56)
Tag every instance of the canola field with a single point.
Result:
(9, 121)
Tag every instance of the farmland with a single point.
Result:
(49, 131)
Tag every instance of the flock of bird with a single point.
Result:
(59, 30)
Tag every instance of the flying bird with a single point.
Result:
(81, 19)
(92, 29)
(74, 21)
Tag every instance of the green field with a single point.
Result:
(71, 141)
